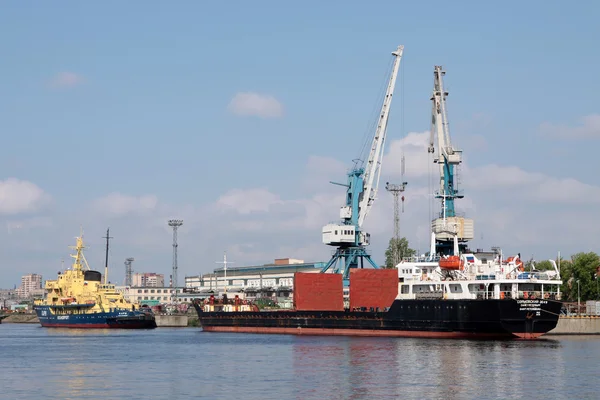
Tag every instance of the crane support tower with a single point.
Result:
(361, 191)
(449, 230)
(128, 271)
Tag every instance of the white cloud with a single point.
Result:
(519, 210)
(255, 104)
(418, 162)
(533, 186)
(117, 204)
(248, 201)
(17, 196)
(66, 79)
(588, 127)
(28, 224)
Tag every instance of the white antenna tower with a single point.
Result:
(225, 262)
(396, 190)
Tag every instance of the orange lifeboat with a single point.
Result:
(451, 262)
(67, 299)
(517, 261)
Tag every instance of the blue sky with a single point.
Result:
(135, 99)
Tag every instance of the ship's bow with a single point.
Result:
(529, 319)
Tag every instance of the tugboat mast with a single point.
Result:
(107, 237)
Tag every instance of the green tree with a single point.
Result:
(402, 251)
(583, 268)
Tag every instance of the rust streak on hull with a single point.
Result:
(358, 332)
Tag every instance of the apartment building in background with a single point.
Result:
(147, 279)
(31, 285)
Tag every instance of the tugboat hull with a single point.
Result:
(116, 319)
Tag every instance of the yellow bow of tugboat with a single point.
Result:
(79, 299)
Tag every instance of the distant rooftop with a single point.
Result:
(280, 265)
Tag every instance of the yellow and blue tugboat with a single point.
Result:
(79, 299)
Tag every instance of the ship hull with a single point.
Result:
(475, 319)
(110, 320)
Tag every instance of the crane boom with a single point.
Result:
(373, 169)
(448, 228)
(361, 192)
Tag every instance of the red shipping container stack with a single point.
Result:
(318, 292)
(375, 288)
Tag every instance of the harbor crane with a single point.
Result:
(450, 232)
(361, 191)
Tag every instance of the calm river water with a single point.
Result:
(41, 363)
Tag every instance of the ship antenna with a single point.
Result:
(107, 237)
(78, 256)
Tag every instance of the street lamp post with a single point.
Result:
(578, 299)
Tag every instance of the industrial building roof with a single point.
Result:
(267, 268)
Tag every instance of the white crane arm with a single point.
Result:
(440, 128)
(373, 168)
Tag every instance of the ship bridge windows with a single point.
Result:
(456, 288)
(424, 288)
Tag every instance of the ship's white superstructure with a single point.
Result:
(475, 276)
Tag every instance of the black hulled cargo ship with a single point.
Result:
(476, 319)
(475, 298)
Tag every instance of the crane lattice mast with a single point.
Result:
(361, 192)
(396, 190)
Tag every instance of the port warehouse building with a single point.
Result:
(274, 281)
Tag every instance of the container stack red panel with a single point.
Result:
(318, 292)
(375, 288)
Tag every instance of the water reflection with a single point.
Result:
(353, 368)
(186, 363)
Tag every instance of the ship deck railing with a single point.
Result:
(539, 295)
(520, 295)
(417, 259)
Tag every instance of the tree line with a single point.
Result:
(582, 267)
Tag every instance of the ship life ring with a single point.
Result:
(525, 295)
